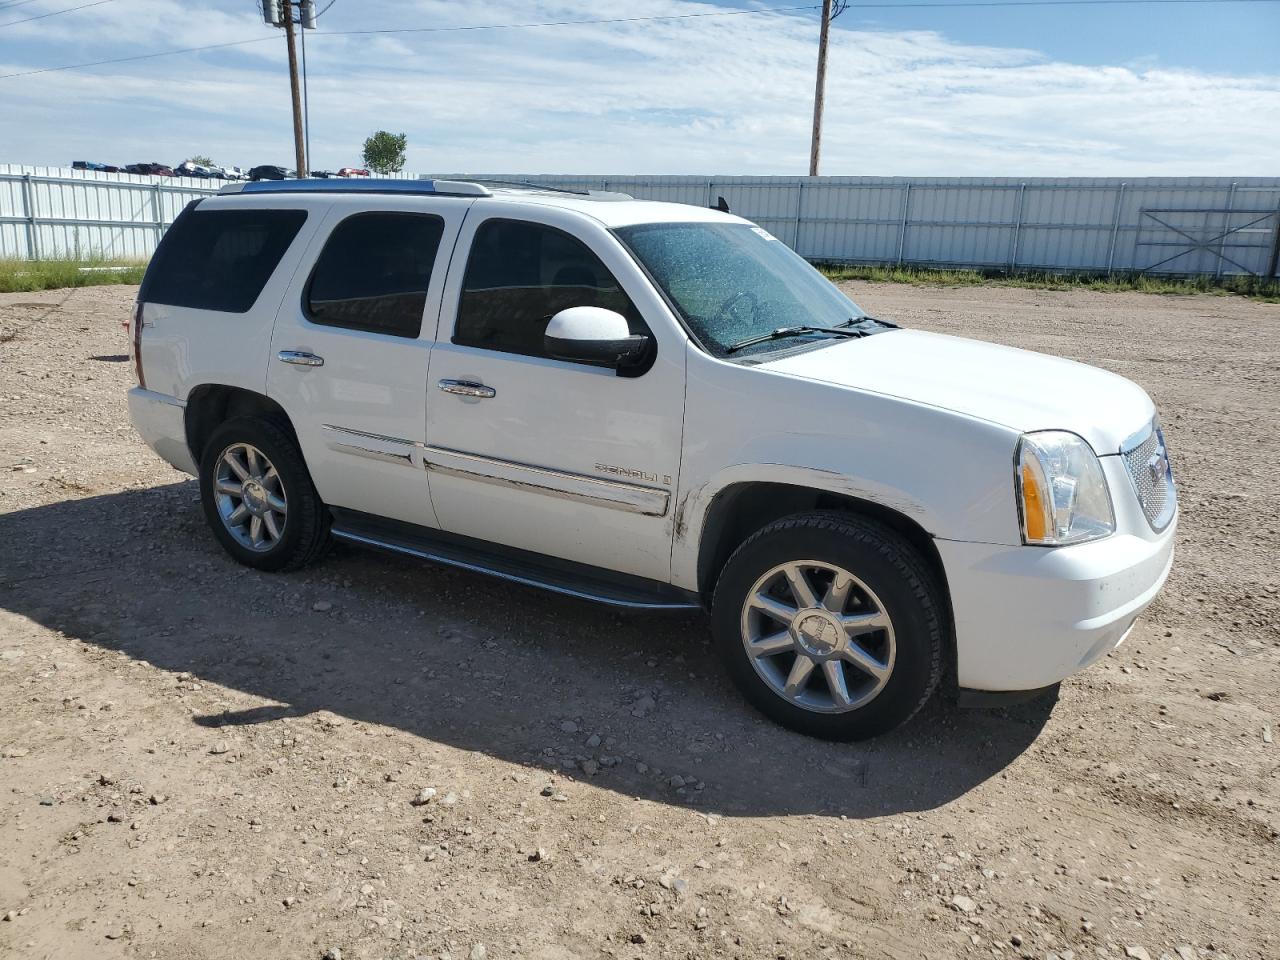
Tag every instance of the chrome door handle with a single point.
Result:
(300, 358)
(467, 388)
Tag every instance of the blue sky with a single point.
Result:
(1219, 38)
(1124, 90)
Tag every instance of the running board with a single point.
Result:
(516, 566)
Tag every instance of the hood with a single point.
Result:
(1016, 388)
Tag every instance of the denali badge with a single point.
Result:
(629, 473)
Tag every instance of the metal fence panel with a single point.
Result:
(53, 212)
(1174, 225)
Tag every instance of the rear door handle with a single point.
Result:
(301, 358)
(468, 388)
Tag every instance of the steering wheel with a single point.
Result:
(727, 310)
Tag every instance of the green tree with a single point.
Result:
(384, 152)
(201, 159)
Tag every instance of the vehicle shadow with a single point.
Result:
(470, 662)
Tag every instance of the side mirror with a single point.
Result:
(593, 335)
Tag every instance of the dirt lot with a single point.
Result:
(200, 761)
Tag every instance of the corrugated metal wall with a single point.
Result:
(53, 212)
(1176, 225)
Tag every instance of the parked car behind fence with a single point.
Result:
(150, 170)
(268, 171)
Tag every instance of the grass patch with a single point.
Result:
(1256, 288)
(25, 276)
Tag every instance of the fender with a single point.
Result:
(692, 509)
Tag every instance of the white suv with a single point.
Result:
(656, 406)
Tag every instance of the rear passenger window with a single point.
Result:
(219, 259)
(374, 272)
(519, 276)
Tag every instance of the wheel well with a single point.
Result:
(740, 510)
(212, 404)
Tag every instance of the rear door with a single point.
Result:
(350, 349)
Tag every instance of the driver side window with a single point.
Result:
(519, 275)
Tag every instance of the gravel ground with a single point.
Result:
(201, 761)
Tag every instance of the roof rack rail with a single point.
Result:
(534, 185)
(445, 188)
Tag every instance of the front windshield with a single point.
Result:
(734, 281)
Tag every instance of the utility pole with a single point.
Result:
(299, 151)
(279, 13)
(830, 10)
(820, 90)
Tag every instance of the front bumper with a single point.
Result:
(161, 422)
(1027, 617)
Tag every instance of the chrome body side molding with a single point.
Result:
(371, 445)
(613, 494)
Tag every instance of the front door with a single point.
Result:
(350, 349)
(574, 461)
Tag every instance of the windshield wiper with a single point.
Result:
(781, 332)
(867, 318)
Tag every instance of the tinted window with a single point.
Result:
(519, 276)
(219, 259)
(374, 272)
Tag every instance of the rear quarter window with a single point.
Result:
(219, 259)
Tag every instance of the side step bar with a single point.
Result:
(516, 566)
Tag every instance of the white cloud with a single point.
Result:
(715, 95)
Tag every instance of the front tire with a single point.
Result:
(831, 624)
(258, 497)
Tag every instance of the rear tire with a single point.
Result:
(831, 624)
(258, 497)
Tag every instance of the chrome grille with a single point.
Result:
(1147, 460)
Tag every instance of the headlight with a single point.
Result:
(1062, 492)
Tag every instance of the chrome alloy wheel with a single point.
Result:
(818, 636)
(250, 497)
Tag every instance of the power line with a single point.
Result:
(929, 4)
(568, 23)
(54, 13)
(938, 4)
(139, 56)
(493, 26)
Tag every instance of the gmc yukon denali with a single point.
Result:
(659, 407)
